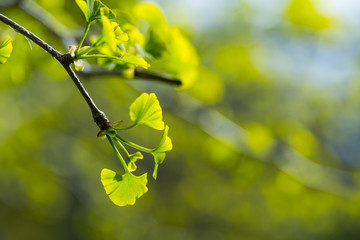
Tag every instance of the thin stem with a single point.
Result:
(65, 60)
(99, 56)
(126, 128)
(118, 154)
(133, 145)
(87, 28)
(85, 51)
(122, 148)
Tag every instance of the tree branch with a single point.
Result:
(65, 60)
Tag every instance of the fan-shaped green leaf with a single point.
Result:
(91, 9)
(123, 189)
(132, 59)
(151, 13)
(156, 43)
(5, 49)
(146, 110)
(112, 33)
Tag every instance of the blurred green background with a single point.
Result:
(266, 142)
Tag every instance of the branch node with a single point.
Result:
(101, 120)
(66, 59)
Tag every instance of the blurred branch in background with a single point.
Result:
(282, 156)
(138, 74)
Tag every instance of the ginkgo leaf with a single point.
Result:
(123, 189)
(126, 59)
(112, 33)
(91, 9)
(135, 156)
(159, 152)
(135, 60)
(5, 49)
(156, 43)
(132, 159)
(181, 59)
(146, 110)
(151, 13)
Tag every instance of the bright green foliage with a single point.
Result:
(156, 44)
(91, 9)
(5, 49)
(157, 35)
(112, 44)
(146, 110)
(135, 60)
(150, 13)
(112, 34)
(159, 152)
(123, 189)
(123, 47)
(166, 47)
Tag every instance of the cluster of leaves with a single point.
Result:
(122, 46)
(112, 47)
(166, 47)
(125, 189)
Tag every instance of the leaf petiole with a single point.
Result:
(127, 58)
(133, 145)
(118, 154)
(122, 148)
(96, 56)
(87, 28)
(126, 128)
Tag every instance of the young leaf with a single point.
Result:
(112, 33)
(135, 60)
(91, 9)
(132, 159)
(79, 65)
(123, 189)
(150, 13)
(126, 59)
(146, 110)
(156, 44)
(5, 49)
(159, 152)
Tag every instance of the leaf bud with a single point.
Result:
(101, 134)
(117, 123)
